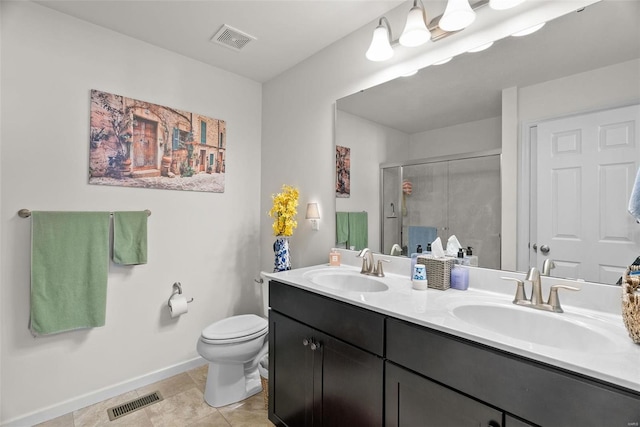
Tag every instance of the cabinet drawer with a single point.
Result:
(530, 390)
(359, 327)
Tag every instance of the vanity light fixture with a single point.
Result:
(313, 215)
(415, 31)
(528, 31)
(380, 48)
(410, 73)
(457, 16)
(504, 4)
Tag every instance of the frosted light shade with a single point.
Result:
(528, 31)
(444, 61)
(312, 211)
(380, 48)
(457, 15)
(415, 31)
(504, 4)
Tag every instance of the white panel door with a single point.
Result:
(586, 167)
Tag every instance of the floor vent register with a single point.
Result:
(126, 408)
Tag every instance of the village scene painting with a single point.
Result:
(140, 144)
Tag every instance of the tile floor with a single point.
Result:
(183, 406)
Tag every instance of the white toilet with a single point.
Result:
(233, 347)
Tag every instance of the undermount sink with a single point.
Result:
(349, 281)
(561, 331)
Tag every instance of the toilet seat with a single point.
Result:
(235, 329)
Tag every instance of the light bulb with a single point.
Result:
(457, 15)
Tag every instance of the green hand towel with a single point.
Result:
(342, 227)
(358, 230)
(69, 266)
(130, 237)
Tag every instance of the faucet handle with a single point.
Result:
(378, 270)
(521, 297)
(554, 301)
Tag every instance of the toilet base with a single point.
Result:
(229, 383)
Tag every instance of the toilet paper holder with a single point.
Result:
(177, 290)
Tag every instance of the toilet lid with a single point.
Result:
(236, 328)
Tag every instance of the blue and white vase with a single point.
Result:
(281, 252)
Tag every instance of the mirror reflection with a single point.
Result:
(456, 108)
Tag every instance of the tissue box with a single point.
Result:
(438, 272)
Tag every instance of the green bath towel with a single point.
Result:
(342, 227)
(358, 230)
(130, 237)
(69, 266)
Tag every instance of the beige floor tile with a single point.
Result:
(96, 415)
(180, 409)
(170, 386)
(63, 421)
(199, 376)
(248, 413)
(213, 420)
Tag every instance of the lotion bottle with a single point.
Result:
(334, 258)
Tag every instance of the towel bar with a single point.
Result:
(26, 213)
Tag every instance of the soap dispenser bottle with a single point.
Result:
(470, 258)
(460, 260)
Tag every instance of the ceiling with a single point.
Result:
(287, 32)
(469, 87)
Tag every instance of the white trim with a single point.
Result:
(97, 396)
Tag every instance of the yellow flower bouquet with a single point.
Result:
(284, 211)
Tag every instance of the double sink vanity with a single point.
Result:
(348, 349)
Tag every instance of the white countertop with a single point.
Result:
(617, 362)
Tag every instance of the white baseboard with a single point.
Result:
(91, 398)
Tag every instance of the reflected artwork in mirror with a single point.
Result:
(569, 67)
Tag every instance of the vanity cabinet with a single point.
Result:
(335, 364)
(317, 376)
(521, 388)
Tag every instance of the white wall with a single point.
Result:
(209, 242)
(298, 116)
(371, 144)
(480, 135)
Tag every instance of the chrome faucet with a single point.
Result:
(536, 301)
(547, 265)
(369, 267)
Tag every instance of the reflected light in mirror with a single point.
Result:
(457, 15)
(504, 4)
(415, 30)
(380, 48)
(444, 61)
(528, 31)
(481, 47)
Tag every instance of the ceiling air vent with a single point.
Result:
(232, 38)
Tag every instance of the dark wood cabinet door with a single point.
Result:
(352, 386)
(291, 373)
(415, 401)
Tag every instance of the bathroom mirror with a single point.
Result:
(456, 108)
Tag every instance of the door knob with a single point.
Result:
(315, 346)
(535, 247)
(305, 342)
(545, 249)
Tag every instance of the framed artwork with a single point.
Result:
(343, 171)
(139, 144)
